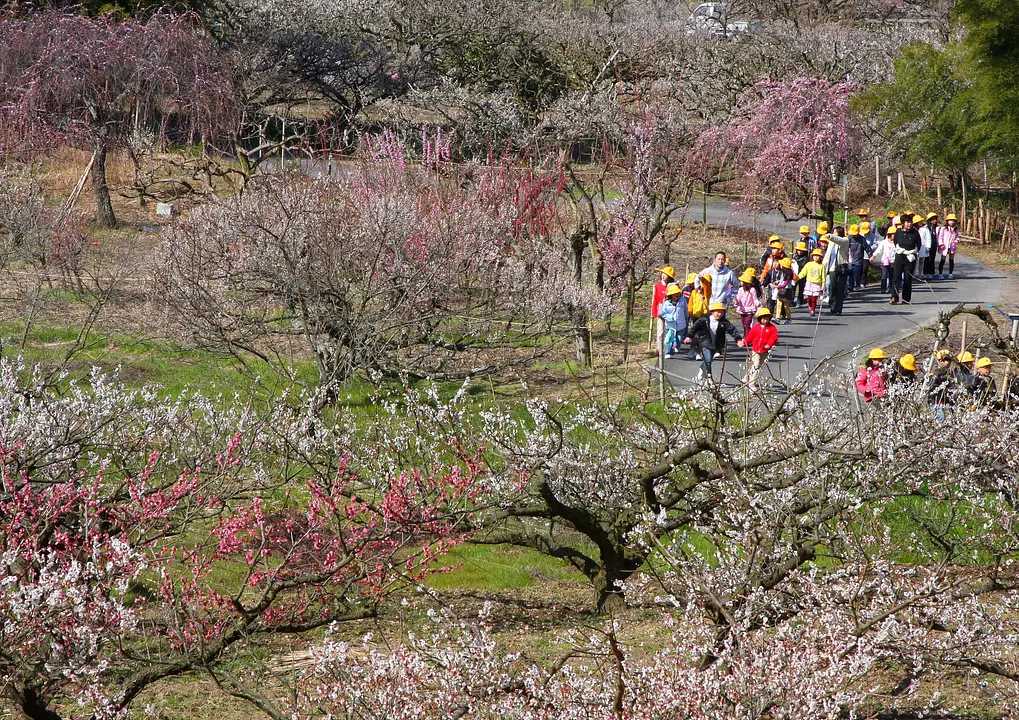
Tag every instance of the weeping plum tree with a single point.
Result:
(94, 81)
(792, 142)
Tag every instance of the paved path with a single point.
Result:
(867, 320)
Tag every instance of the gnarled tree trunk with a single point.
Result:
(104, 205)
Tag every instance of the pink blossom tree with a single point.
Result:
(142, 538)
(790, 143)
(95, 81)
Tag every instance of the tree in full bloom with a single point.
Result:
(143, 538)
(790, 144)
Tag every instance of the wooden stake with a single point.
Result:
(900, 181)
(962, 348)
(939, 194)
(1006, 379)
(963, 213)
(877, 175)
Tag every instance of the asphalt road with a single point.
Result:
(867, 320)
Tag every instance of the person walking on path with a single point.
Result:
(774, 243)
(884, 255)
(948, 240)
(822, 231)
(709, 335)
(673, 314)
(748, 300)
(837, 264)
(761, 339)
(723, 280)
(907, 246)
(870, 241)
(872, 380)
(929, 241)
(667, 278)
(814, 275)
(857, 252)
(801, 256)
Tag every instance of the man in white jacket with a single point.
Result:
(723, 280)
(926, 246)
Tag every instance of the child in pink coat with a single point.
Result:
(747, 301)
(872, 382)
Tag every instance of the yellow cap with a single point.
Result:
(863, 212)
(951, 216)
(801, 247)
(891, 214)
(747, 276)
(944, 354)
(984, 362)
(891, 230)
(865, 227)
(965, 356)
(816, 252)
(776, 244)
(667, 270)
(877, 354)
(822, 227)
(898, 220)
(715, 306)
(691, 278)
(854, 229)
(786, 263)
(918, 218)
(805, 229)
(931, 215)
(673, 289)
(763, 312)
(773, 238)
(908, 361)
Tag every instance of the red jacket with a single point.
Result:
(761, 338)
(871, 382)
(659, 297)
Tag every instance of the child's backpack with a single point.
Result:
(697, 305)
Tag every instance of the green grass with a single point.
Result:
(137, 361)
(498, 567)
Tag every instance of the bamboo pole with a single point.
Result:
(1005, 380)
(962, 348)
(877, 175)
(888, 178)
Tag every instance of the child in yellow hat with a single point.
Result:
(748, 300)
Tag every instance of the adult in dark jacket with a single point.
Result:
(907, 249)
(709, 334)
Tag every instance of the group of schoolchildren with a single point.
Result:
(825, 267)
(694, 315)
(950, 379)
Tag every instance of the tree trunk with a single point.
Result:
(102, 190)
(582, 331)
(32, 704)
(628, 319)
